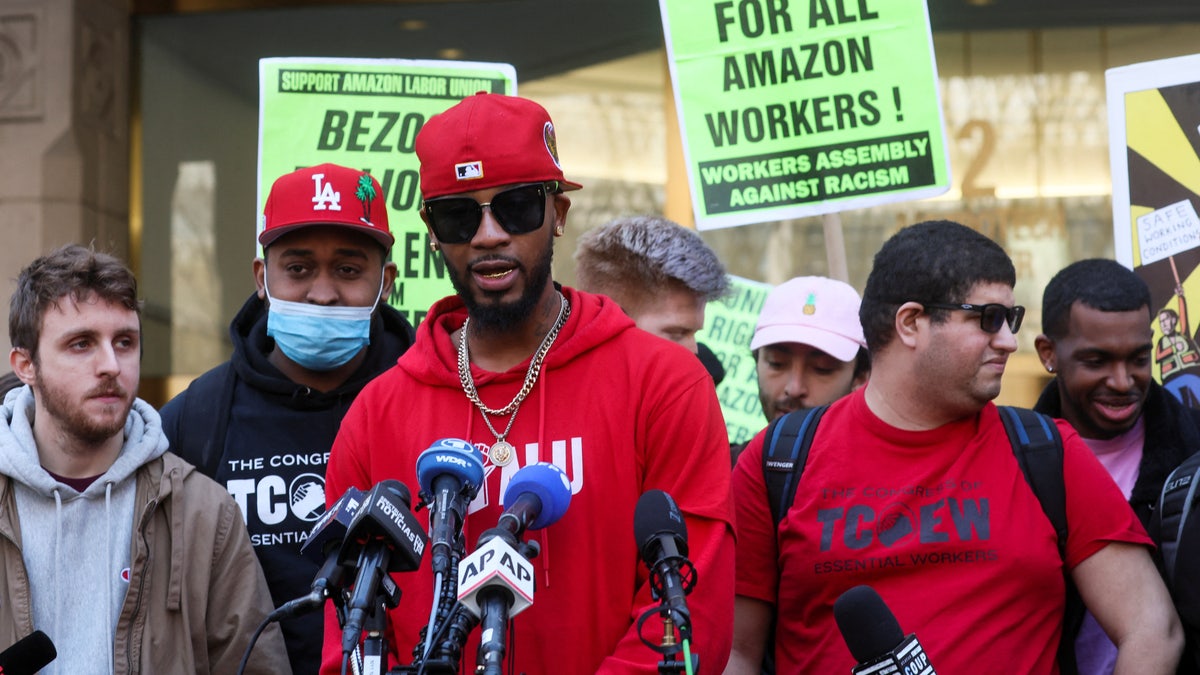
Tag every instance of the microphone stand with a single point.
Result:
(674, 662)
(445, 653)
(374, 646)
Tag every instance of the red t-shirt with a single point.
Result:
(941, 523)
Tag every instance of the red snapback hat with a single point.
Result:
(327, 194)
(485, 141)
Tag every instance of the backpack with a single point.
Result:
(1179, 544)
(1036, 444)
(1174, 506)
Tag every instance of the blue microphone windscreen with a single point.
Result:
(549, 483)
(450, 456)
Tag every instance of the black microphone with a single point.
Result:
(661, 537)
(323, 546)
(28, 655)
(449, 474)
(384, 537)
(874, 636)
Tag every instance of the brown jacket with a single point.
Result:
(196, 591)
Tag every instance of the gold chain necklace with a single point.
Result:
(502, 452)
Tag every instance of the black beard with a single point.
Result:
(495, 316)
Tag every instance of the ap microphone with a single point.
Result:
(495, 582)
(661, 537)
(537, 496)
(449, 473)
(27, 655)
(874, 636)
(384, 537)
(323, 546)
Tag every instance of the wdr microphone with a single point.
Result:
(28, 655)
(495, 582)
(384, 537)
(323, 546)
(661, 536)
(874, 636)
(449, 473)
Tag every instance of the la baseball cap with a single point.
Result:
(814, 311)
(485, 141)
(326, 194)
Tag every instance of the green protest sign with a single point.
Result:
(792, 108)
(365, 114)
(728, 327)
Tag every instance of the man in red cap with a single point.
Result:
(315, 331)
(530, 371)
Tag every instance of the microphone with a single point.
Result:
(384, 537)
(449, 473)
(323, 546)
(495, 582)
(874, 636)
(661, 536)
(28, 655)
(537, 496)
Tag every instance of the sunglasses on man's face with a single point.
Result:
(992, 316)
(519, 210)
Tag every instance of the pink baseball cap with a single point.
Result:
(814, 311)
(327, 194)
(485, 141)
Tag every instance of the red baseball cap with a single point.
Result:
(485, 141)
(327, 194)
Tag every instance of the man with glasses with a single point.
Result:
(1098, 344)
(911, 486)
(530, 371)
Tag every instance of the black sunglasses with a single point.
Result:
(519, 210)
(991, 316)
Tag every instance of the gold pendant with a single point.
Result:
(501, 453)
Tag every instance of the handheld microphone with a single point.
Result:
(495, 582)
(874, 636)
(28, 655)
(323, 546)
(385, 537)
(661, 536)
(537, 496)
(449, 473)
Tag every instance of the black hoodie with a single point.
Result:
(267, 439)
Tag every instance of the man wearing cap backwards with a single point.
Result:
(315, 331)
(530, 371)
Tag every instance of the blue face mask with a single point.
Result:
(319, 337)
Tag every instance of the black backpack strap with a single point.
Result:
(1174, 506)
(785, 451)
(1038, 449)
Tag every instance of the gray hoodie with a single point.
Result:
(76, 544)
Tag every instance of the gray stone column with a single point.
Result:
(64, 131)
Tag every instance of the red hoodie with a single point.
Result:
(621, 411)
